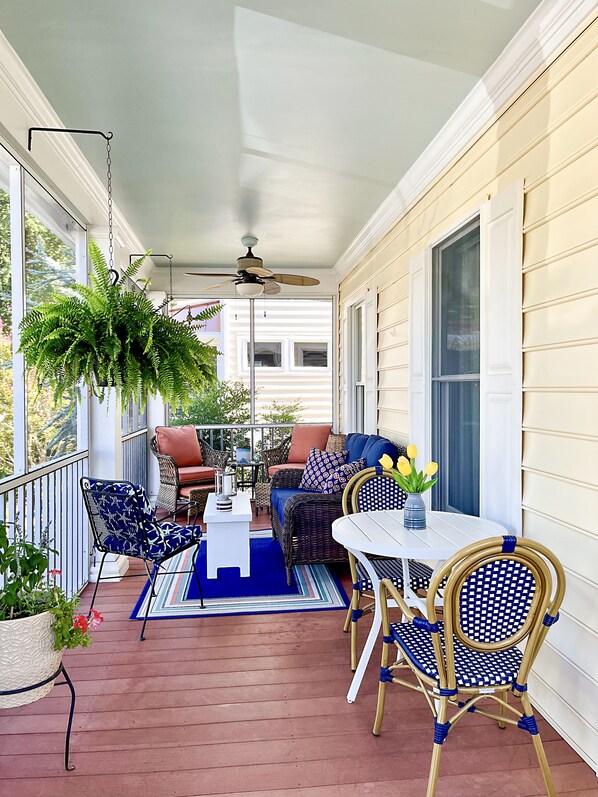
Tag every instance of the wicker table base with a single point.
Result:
(198, 498)
(262, 496)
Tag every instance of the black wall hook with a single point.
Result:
(106, 136)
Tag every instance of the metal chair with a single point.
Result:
(123, 522)
(369, 490)
(500, 599)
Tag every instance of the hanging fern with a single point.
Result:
(111, 337)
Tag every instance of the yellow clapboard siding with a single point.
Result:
(572, 504)
(394, 335)
(574, 320)
(566, 457)
(568, 367)
(577, 550)
(565, 187)
(397, 290)
(393, 357)
(398, 377)
(394, 400)
(573, 413)
(570, 230)
(394, 314)
(561, 278)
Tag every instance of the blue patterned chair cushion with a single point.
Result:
(130, 526)
(318, 467)
(340, 477)
(419, 574)
(472, 668)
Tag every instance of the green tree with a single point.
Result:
(223, 403)
(280, 412)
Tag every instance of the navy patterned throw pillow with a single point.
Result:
(318, 467)
(340, 477)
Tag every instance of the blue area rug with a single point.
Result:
(265, 591)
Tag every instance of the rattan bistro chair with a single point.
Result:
(123, 522)
(500, 599)
(369, 490)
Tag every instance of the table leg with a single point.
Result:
(373, 635)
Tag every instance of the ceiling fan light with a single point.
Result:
(250, 289)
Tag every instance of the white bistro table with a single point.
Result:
(228, 535)
(382, 533)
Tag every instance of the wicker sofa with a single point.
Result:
(302, 520)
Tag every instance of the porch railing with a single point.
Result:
(259, 436)
(49, 499)
(135, 454)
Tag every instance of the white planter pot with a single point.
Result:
(27, 656)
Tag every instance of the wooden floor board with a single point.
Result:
(251, 706)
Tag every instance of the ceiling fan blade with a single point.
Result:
(219, 285)
(259, 271)
(271, 288)
(205, 274)
(295, 279)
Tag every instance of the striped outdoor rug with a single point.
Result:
(315, 587)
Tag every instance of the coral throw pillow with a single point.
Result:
(180, 443)
(340, 477)
(318, 467)
(305, 437)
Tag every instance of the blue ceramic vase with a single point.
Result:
(414, 512)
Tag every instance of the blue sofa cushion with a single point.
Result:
(376, 447)
(355, 444)
(279, 497)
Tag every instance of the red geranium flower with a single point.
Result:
(80, 622)
(54, 572)
(96, 618)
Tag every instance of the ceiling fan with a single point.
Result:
(252, 279)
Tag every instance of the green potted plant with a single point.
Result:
(37, 620)
(243, 449)
(111, 336)
(414, 483)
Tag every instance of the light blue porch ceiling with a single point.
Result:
(288, 119)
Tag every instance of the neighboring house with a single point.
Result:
(293, 351)
(480, 307)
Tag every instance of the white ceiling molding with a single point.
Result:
(34, 110)
(539, 39)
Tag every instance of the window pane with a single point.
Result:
(267, 355)
(6, 385)
(458, 274)
(52, 239)
(311, 355)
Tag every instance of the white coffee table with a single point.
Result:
(228, 535)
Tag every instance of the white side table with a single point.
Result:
(228, 535)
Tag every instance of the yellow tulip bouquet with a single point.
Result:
(406, 476)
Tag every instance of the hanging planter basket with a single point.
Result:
(110, 336)
(27, 656)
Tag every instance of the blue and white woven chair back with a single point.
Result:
(495, 597)
(120, 515)
(378, 491)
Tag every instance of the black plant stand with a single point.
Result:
(67, 765)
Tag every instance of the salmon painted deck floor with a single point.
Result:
(252, 706)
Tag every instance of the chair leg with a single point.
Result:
(347, 624)
(95, 589)
(539, 748)
(67, 743)
(197, 576)
(503, 711)
(289, 576)
(150, 598)
(355, 599)
(151, 580)
(437, 749)
(386, 647)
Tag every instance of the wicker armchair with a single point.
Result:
(169, 494)
(277, 455)
(306, 534)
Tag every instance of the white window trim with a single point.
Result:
(368, 300)
(501, 378)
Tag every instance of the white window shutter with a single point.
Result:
(345, 368)
(420, 403)
(501, 235)
(370, 322)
